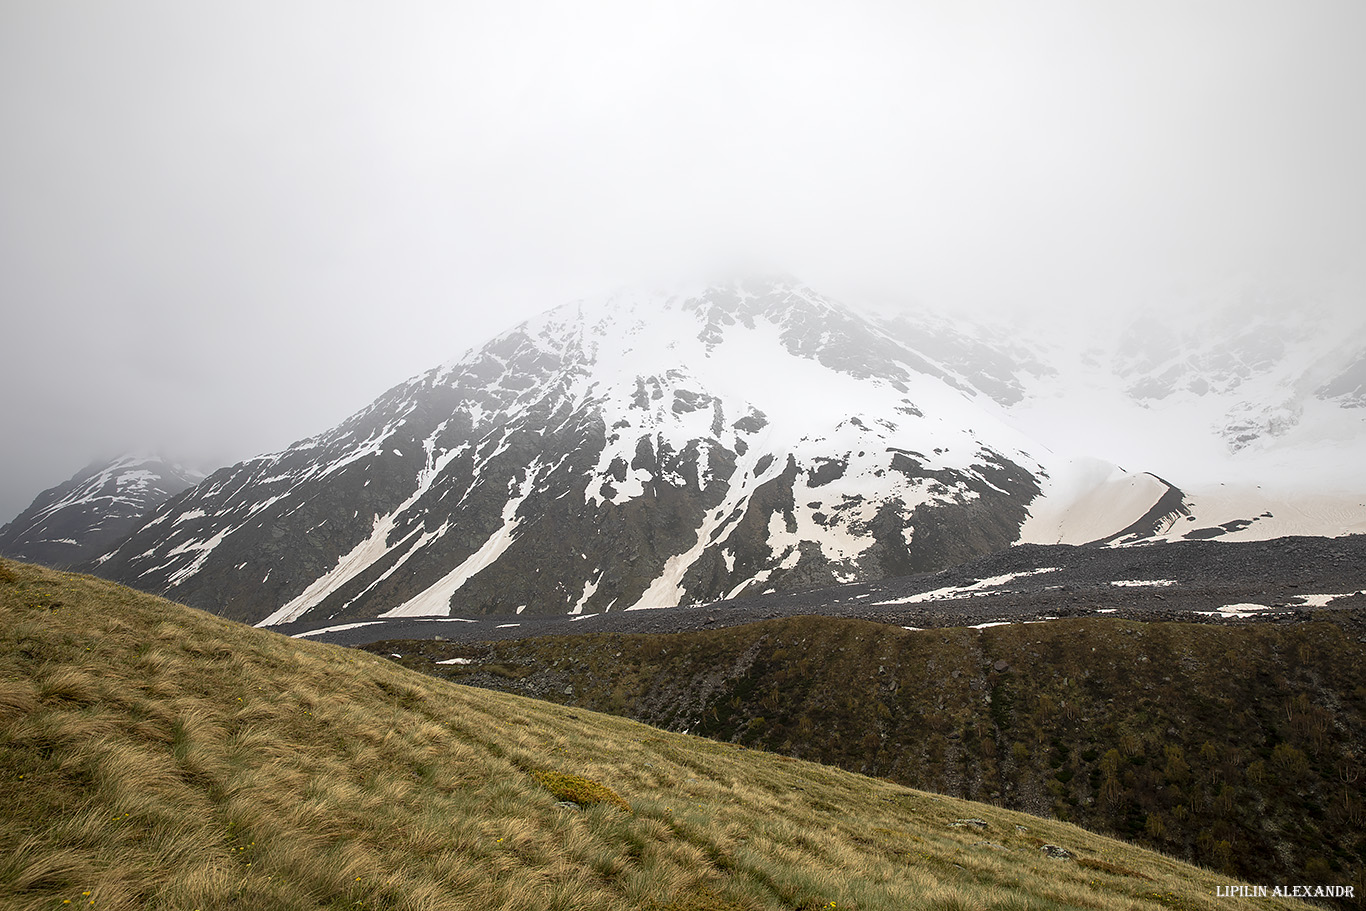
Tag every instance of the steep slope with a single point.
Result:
(95, 509)
(155, 757)
(993, 361)
(643, 451)
(1234, 747)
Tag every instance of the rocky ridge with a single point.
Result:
(96, 508)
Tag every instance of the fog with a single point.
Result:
(225, 227)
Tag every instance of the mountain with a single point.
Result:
(1223, 396)
(658, 448)
(1251, 403)
(641, 451)
(92, 511)
(1268, 366)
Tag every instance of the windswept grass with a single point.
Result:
(1236, 747)
(152, 756)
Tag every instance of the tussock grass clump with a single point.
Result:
(576, 789)
(156, 757)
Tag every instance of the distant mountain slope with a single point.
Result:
(1262, 366)
(1254, 389)
(989, 359)
(642, 451)
(77, 521)
(157, 757)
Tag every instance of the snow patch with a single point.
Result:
(951, 593)
(1086, 500)
(201, 550)
(588, 588)
(333, 629)
(436, 598)
(1324, 600)
(349, 565)
(1240, 611)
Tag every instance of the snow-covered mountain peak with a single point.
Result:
(663, 446)
(644, 449)
(663, 313)
(94, 509)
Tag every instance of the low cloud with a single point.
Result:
(223, 230)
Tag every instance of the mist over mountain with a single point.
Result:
(694, 444)
(262, 219)
(635, 452)
(1264, 372)
(95, 509)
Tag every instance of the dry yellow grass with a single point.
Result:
(153, 756)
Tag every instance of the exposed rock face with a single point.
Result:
(93, 510)
(645, 451)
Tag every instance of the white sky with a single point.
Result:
(224, 227)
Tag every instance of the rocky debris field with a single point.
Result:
(1281, 580)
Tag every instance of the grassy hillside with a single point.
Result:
(152, 756)
(1237, 747)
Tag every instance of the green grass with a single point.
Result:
(153, 756)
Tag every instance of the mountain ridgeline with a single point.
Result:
(655, 449)
(94, 510)
(644, 451)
